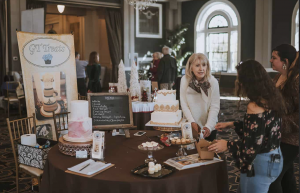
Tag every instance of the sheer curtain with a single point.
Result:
(113, 18)
(2, 40)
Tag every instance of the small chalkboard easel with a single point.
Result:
(111, 111)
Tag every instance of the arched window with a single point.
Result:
(217, 34)
(295, 27)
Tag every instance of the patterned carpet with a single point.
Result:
(228, 112)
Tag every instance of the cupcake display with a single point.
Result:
(150, 145)
(182, 141)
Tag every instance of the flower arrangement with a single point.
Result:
(47, 58)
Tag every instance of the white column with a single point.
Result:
(263, 32)
(128, 33)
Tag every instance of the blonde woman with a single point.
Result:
(154, 66)
(200, 96)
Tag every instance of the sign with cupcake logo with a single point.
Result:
(46, 52)
(49, 74)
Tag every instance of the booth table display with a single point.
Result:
(124, 153)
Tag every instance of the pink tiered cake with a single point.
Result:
(80, 124)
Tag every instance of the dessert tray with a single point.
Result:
(150, 149)
(143, 171)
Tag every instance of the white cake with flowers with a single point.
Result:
(79, 124)
(166, 109)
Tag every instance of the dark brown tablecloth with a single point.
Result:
(125, 155)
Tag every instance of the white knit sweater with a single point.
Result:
(199, 108)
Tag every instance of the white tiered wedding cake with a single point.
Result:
(166, 109)
(80, 124)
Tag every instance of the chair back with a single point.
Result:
(61, 121)
(10, 91)
(81, 97)
(218, 75)
(17, 128)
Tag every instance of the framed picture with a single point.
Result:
(149, 22)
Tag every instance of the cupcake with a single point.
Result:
(150, 147)
(183, 141)
(173, 141)
(178, 141)
(188, 141)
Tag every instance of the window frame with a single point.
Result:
(198, 32)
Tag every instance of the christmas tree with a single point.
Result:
(122, 85)
(135, 89)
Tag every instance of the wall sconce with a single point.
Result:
(60, 8)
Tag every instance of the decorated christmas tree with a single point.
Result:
(135, 89)
(122, 85)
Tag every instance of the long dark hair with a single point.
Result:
(254, 83)
(93, 58)
(286, 51)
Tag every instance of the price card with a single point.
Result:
(81, 154)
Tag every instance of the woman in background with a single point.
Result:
(200, 96)
(285, 60)
(257, 151)
(154, 65)
(93, 72)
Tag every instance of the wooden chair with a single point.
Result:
(10, 95)
(81, 97)
(60, 122)
(17, 128)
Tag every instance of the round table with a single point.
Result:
(124, 153)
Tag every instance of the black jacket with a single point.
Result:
(167, 70)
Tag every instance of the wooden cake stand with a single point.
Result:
(70, 148)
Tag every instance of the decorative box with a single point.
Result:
(33, 156)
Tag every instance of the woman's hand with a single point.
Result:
(218, 147)
(224, 125)
(206, 132)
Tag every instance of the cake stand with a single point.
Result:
(70, 148)
(166, 128)
(181, 151)
(150, 152)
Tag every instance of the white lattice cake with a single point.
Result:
(166, 109)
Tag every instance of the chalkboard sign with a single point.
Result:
(110, 110)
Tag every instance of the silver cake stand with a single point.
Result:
(181, 151)
(150, 152)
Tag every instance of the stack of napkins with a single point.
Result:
(89, 167)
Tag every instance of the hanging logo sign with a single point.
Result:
(46, 52)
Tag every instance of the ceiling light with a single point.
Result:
(60, 8)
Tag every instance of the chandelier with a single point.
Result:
(141, 4)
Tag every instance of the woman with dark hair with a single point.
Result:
(285, 60)
(93, 72)
(256, 152)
